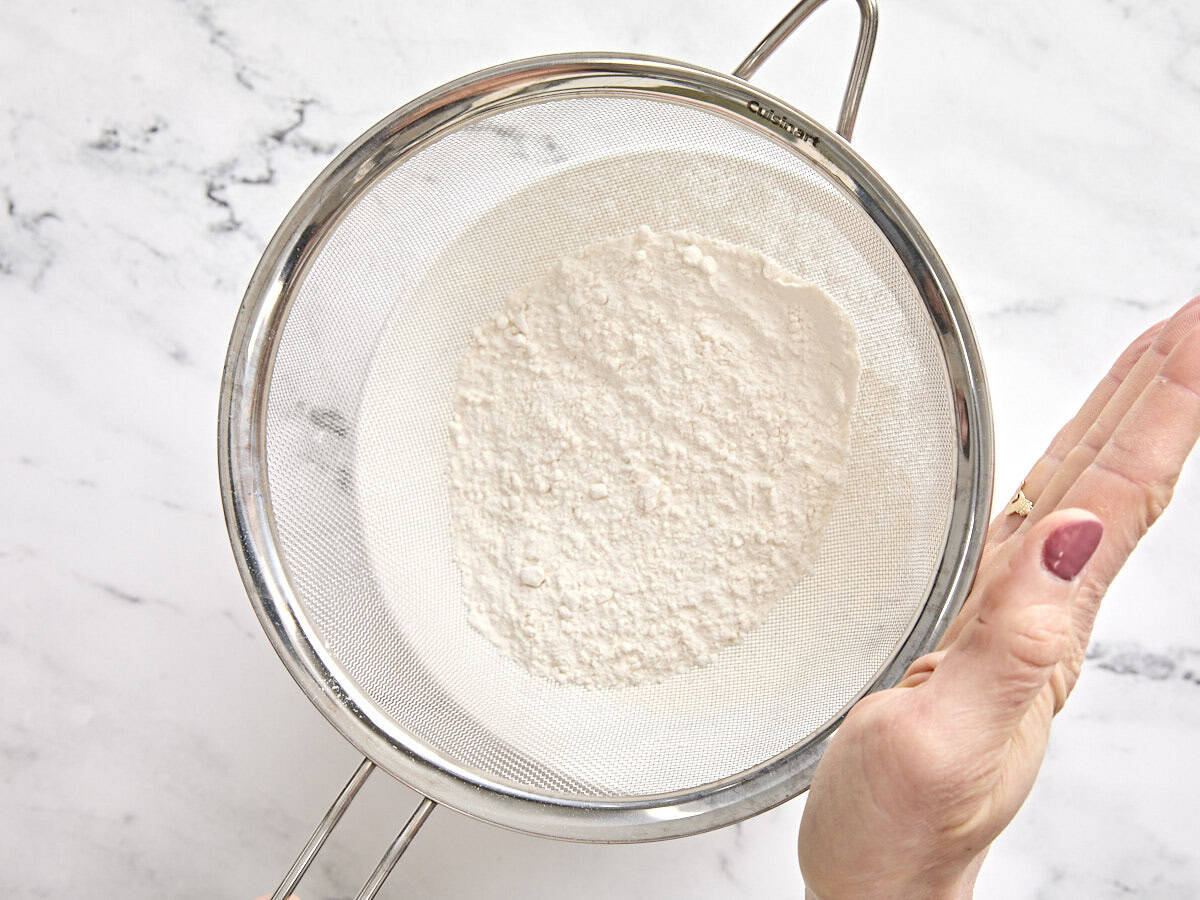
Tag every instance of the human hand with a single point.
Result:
(920, 779)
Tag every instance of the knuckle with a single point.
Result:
(1149, 502)
(1176, 381)
(1155, 499)
(1037, 638)
(1147, 483)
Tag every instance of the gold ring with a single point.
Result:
(1020, 505)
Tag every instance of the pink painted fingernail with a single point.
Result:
(1070, 546)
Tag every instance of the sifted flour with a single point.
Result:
(645, 447)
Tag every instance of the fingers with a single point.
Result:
(1118, 460)
(1073, 432)
(1143, 372)
(1130, 480)
(1007, 652)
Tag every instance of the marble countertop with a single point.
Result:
(151, 744)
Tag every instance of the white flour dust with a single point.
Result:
(645, 447)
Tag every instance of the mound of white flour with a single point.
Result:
(645, 447)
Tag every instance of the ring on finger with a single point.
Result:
(1020, 505)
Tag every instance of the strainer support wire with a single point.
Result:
(242, 425)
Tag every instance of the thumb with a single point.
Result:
(1003, 658)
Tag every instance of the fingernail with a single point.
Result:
(1070, 546)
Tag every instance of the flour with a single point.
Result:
(645, 447)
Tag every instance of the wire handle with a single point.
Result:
(862, 54)
(321, 833)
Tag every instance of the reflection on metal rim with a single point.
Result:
(242, 443)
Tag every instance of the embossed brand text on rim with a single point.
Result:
(781, 121)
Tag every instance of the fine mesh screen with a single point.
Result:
(357, 440)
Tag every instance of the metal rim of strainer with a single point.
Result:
(246, 492)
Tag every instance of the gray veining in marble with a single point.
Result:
(150, 743)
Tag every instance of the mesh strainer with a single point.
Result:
(333, 439)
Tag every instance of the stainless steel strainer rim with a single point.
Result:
(242, 423)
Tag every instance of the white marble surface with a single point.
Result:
(151, 745)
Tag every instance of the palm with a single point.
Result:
(970, 783)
